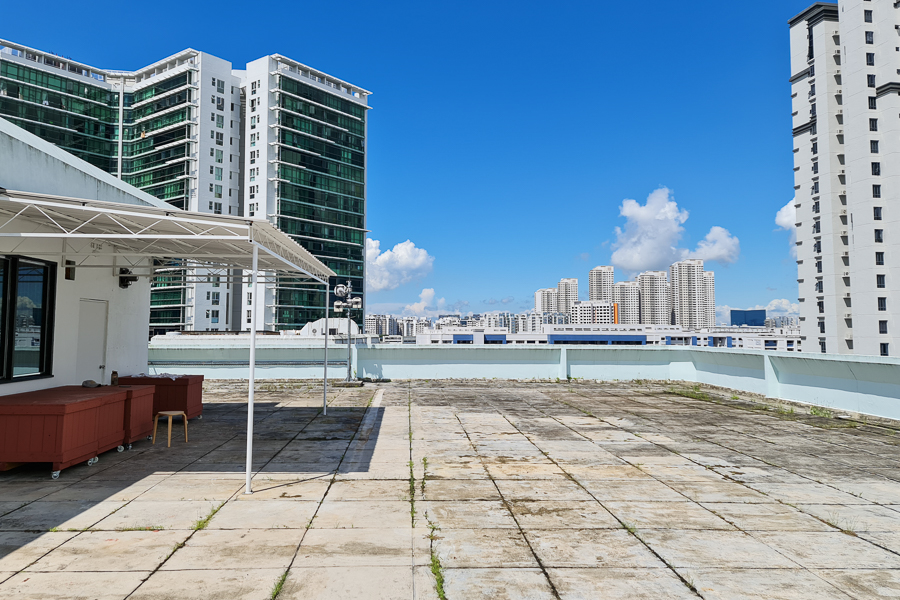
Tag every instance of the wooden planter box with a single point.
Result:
(63, 426)
(138, 412)
(185, 392)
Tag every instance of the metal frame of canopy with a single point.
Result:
(95, 234)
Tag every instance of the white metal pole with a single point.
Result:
(325, 376)
(254, 302)
(348, 342)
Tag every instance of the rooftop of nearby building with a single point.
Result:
(635, 489)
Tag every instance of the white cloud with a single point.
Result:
(492, 301)
(427, 306)
(786, 219)
(649, 240)
(719, 246)
(392, 268)
(776, 308)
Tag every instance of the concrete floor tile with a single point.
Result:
(476, 548)
(369, 490)
(632, 490)
(99, 491)
(761, 584)
(718, 491)
(524, 471)
(272, 514)
(621, 584)
(267, 488)
(591, 548)
(359, 547)
(185, 488)
(806, 493)
(237, 549)
(252, 584)
(497, 584)
(829, 550)
(666, 515)
(367, 514)
(162, 515)
(348, 583)
(424, 584)
(28, 491)
(18, 549)
(682, 473)
(44, 516)
(889, 540)
(474, 514)
(460, 489)
(855, 517)
(766, 517)
(563, 515)
(111, 551)
(71, 586)
(864, 583)
(561, 490)
(606, 472)
(729, 549)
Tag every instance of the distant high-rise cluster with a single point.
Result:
(685, 296)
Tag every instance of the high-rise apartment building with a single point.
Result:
(655, 300)
(600, 283)
(845, 80)
(592, 312)
(177, 129)
(567, 295)
(546, 300)
(305, 171)
(693, 295)
(627, 297)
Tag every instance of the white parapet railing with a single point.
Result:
(862, 384)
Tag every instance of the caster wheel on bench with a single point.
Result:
(120, 449)
(54, 475)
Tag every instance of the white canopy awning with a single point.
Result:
(147, 239)
(125, 235)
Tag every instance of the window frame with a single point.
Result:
(8, 316)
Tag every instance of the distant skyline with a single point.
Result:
(531, 143)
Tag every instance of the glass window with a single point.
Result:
(220, 155)
(220, 86)
(870, 59)
(873, 146)
(882, 304)
(220, 103)
(876, 168)
(884, 350)
(870, 80)
(879, 235)
(877, 211)
(876, 191)
(873, 102)
(218, 191)
(879, 258)
(26, 311)
(215, 298)
(220, 121)
(879, 281)
(870, 37)
(216, 280)
(867, 16)
(882, 327)
(218, 173)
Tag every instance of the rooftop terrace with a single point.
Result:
(471, 490)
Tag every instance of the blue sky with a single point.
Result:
(504, 137)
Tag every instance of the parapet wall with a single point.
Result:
(863, 384)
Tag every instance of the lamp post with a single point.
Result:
(344, 291)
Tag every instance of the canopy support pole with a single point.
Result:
(325, 376)
(254, 303)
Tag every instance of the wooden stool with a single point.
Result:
(170, 414)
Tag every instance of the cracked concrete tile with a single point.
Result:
(71, 586)
(359, 547)
(542, 490)
(729, 549)
(563, 515)
(199, 584)
(263, 515)
(348, 583)
(379, 514)
(18, 549)
(44, 516)
(621, 584)
(497, 584)
(483, 548)
(111, 551)
(472, 514)
(632, 490)
(164, 515)
(666, 515)
(237, 549)
(855, 517)
(457, 489)
(864, 583)
(829, 550)
(591, 548)
(761, 584)
(766, 517)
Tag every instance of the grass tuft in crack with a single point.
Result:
(424, 474)
(436, 568)
(201, 524)
(276, 589)
(412, 494)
